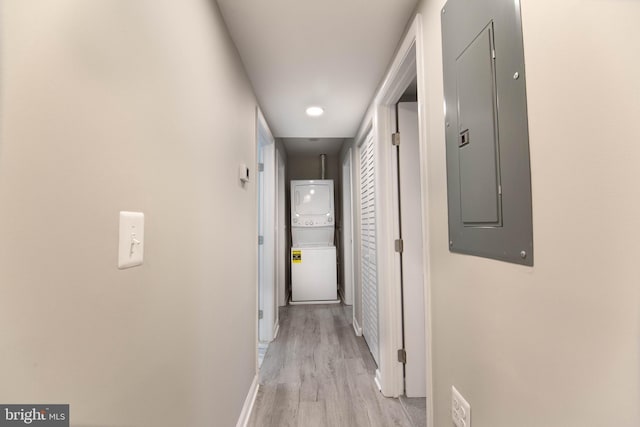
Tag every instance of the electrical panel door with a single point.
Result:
(486, 128)
(478, 142)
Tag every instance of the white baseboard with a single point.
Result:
(276, 329)
(248, 403)
(377, 380)
(357, 327)
(333, 301)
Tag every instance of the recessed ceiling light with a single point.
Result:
(315, 111)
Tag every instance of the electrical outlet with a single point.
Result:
(460, 409)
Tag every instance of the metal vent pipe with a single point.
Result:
(323, 166)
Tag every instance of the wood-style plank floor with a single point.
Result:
(319, 373)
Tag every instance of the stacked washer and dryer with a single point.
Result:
(313, 254)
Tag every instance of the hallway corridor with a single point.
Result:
(317, 372)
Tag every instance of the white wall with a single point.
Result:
(556, 344)
(126, 105)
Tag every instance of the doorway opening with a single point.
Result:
(405, 351)
(408, 198)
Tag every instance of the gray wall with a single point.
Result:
(556, 344)
(126, 105)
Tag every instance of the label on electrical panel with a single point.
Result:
(296, 257)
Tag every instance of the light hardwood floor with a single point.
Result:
(319, 373)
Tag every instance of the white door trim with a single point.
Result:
(282, 229)
(408, 63)
(267, 292)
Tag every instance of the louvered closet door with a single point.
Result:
(368, 246)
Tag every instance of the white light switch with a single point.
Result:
(243, 173)
(131, 245)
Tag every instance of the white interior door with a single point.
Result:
(347, 230)
(412, 254)
(369, 273)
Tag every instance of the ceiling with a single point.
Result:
(312, 146)
(330, 53)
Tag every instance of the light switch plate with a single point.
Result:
(460, 409)
(243, 173)
(131, 244)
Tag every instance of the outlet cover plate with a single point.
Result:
(460, 409)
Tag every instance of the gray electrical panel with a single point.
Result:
(487, 137)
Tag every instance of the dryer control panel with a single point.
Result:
(312, 221)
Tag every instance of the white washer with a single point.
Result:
(313, 274)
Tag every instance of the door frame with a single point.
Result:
(267, 290)
(347, 228)
(282, 257)
(407, 64)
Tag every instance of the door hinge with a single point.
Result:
(399, 245)
(260, 167)
(261, 240)
(395, 138)
(260, 314)
(402, 355)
